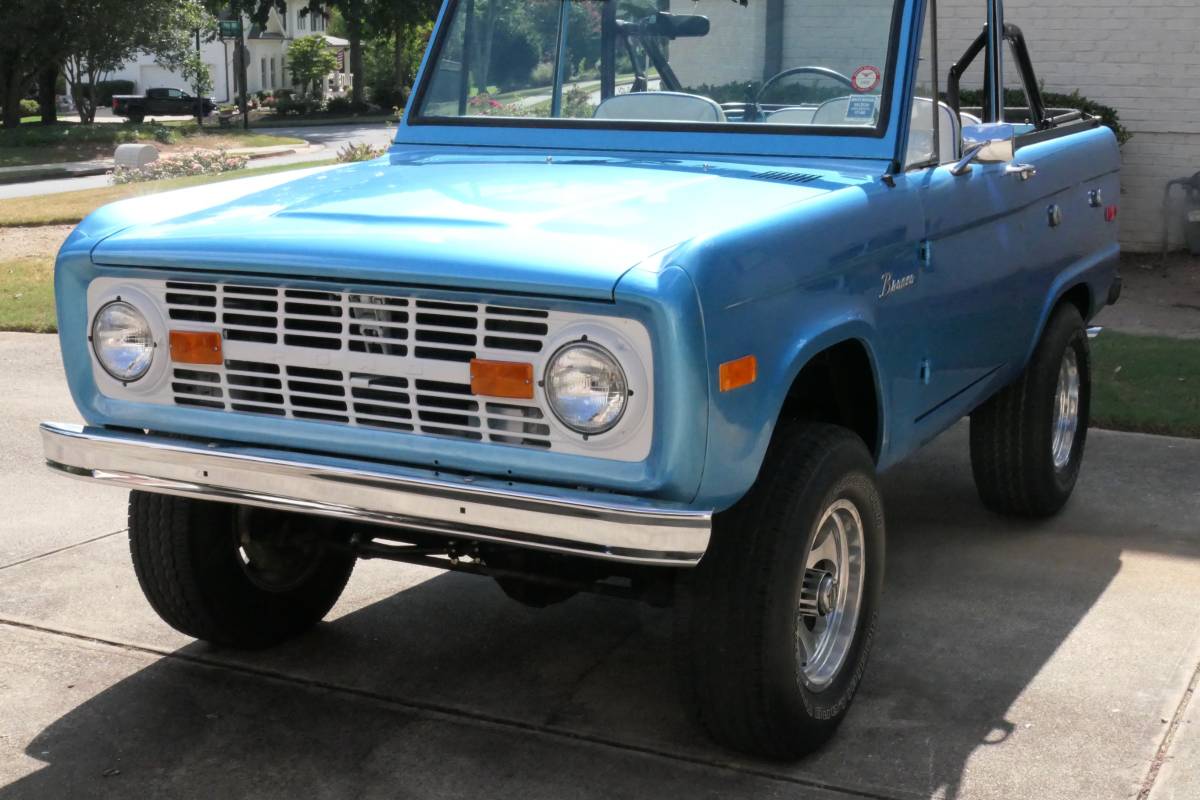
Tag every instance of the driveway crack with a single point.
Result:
(1168, 739)
(62, 549)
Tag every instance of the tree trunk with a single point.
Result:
(483, 66)
(398, 66)
(12, 84)
(47, 97)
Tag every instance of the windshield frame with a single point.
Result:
(875, 142)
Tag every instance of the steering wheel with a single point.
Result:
(787, 73)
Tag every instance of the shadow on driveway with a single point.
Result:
(448, 689)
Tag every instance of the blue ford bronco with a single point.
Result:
(641, 299)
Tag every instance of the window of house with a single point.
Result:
(264, 73)
(273, 72)
(318, 22)
(283, 78)
(301, 21)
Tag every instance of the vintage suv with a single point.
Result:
(640, 301)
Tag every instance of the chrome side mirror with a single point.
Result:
(990, 143)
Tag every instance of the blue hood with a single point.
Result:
(563, 226)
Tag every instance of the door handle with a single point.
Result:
(1022, 171)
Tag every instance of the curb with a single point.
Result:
(47, 172)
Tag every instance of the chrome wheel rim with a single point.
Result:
(831, 594)
(1066, 410)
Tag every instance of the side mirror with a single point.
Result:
(990, 143)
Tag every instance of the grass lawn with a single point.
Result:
(27, 295)
(52, 144)
(70, 207)
(1149, 384)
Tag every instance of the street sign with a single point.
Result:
(230, 28)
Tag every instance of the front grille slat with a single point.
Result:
(286, 349)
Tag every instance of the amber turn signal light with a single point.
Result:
(739, 373)
(194, 347)
(502, 379)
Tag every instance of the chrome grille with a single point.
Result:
(303, 354)
(361, 323)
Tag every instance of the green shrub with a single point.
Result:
(30, 108)
(359, 151)
(1110, 117)
(543, 74)
(339, 105)
(297, 106)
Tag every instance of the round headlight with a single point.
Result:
(586, 388)
(123, 341)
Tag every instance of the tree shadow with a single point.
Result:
(975, 607)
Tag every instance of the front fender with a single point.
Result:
(743, 421)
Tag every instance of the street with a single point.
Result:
(329, 138)
(1014, 659)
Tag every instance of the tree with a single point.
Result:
(396, 33)
(31, 36)
(101, 35)
(310, 59)
(355, 14)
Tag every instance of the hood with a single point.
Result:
(561, 226)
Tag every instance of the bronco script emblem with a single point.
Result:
(892, 285)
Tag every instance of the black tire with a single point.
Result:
(1013, 433)
(737, 618)
(194, 569)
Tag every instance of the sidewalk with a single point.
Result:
(79, 169)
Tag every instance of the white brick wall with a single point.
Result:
(1140, 56)
(733, 49)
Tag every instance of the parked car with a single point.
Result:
(618, 337)
(160, 102)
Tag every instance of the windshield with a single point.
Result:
(806, 63)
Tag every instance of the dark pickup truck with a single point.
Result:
(162, 102)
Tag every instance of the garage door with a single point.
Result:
(153, 76)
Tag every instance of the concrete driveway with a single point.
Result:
(1015, 660)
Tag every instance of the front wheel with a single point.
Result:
(775, 624)
(1027, 441)
(233, 575)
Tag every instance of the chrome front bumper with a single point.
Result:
(581, 523)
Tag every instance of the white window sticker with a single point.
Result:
(861, 110)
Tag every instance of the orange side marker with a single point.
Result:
(195, 347)
(739, 373)
(502, 379)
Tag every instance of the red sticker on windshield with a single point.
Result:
(866, 78)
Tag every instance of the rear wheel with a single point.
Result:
(1027, 441)
(776, 622)
(234, 575)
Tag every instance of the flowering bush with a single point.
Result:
(359, 151)
(195, 162)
